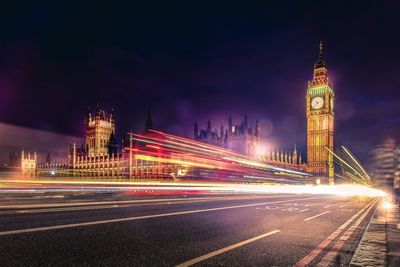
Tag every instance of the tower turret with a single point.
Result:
(196, 131)
(88, 116)
(149, 121)
(226, 138)
(230, 125)
(294, 155)
(257, 130)
(48, 159)
(112, 117)
(208, 127)
(320, 62)
(98, 112)
(320, 100)
(98, 132)
(112, 145)
(245, 123)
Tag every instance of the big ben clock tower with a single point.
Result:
(320, 102)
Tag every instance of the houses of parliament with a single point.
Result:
(320, 101)
(101, 156)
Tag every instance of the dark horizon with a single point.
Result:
(190, 62)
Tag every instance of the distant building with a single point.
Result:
(24, 162)
(240, 138)
(246, 140)
(100, 129)
(384, 164)
(397, 170)
(157, 155)
(100, 156)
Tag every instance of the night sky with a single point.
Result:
(194, 60)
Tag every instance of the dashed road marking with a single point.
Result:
(342, 240)
(316, 251)
(313, 217)
(303, 210)
(225, 249)
(73, 225)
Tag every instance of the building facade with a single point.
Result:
(320, 100)
(240, 138)
(384, 164)
(98, 157)
(24, 162)
(100, 127)
(245, 140)
(157, 155)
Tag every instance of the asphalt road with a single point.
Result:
(241, 230)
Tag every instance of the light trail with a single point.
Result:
(207, 162)
(355, 175)
(267, 166)
(165, 160)
(338, 190)
(356, 161)
(343, 161)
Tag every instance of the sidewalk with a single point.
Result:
(380, 245)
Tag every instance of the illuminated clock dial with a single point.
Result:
(317, 102)
(332, 103)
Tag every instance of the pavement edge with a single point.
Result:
(380, 244)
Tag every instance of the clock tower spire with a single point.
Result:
(320, 100)
(320, 63)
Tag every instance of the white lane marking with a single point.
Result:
(32, 211)
(52, 205)
(225, 249)
(72, 225)
(303, 210)
(95, 206)
(328, 258)
(327, 206)
(317, 250)
(310, 218)
(344, 205)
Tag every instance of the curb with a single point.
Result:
(380, 245)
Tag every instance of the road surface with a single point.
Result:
(231, 230)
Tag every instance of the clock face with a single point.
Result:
(332, 103)
(317, 102)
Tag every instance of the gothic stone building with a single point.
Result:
(99, 156)
(240, 138)
(24, 162)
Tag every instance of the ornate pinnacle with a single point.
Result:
(320, 62)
